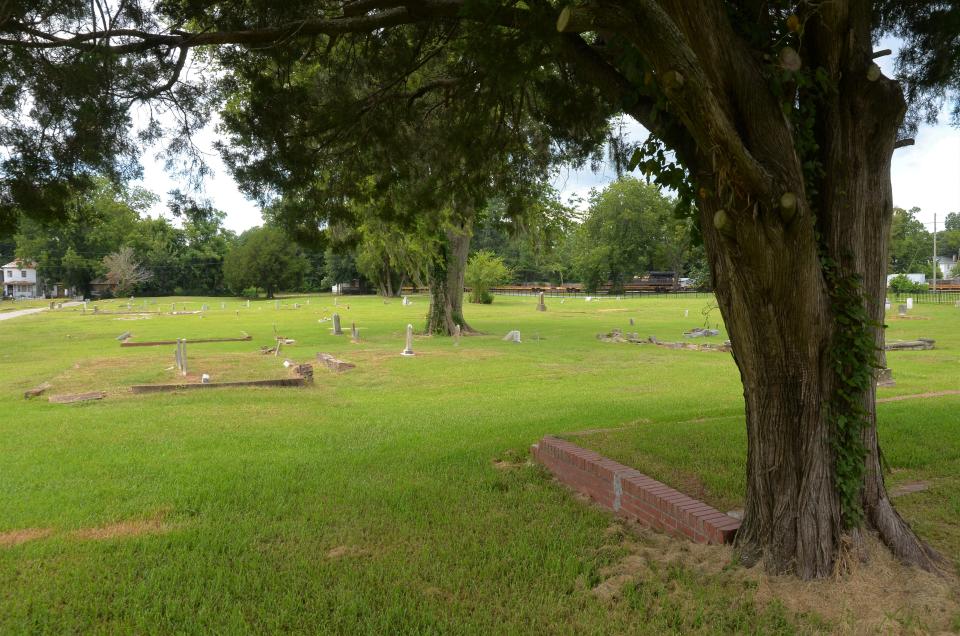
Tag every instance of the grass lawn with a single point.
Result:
(396, 497)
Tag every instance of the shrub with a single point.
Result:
(484, 270)
(900, 284)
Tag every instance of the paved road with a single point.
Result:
(7, 315)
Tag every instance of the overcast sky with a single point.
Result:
(926, 175)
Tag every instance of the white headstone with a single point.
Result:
(456, 335)
(406, 301)
(886, 305)
(686, 312)
(205, 378)
(909, 303)
(513, 336)
(408, 349)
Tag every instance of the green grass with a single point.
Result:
(370, 502)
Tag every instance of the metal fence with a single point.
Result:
(577, 293)
(926, 297)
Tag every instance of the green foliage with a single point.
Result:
(264, 258)
(900, 284)
(485, 270)
(911, 245)
(853, 355)
(629, 229)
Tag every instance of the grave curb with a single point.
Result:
(631, 494)
(159, 388)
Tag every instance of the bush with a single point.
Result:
(900, 284)
(250, 292)
(484, 270)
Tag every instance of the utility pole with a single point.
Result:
(935, 263)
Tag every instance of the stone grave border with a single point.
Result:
(158, 343)
(631, 494)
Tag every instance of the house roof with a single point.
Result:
(20, 265)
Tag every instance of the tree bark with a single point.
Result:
(446, 282)
(777, 304)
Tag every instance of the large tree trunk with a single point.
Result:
(446, 282)
(776, 269)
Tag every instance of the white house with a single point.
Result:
(945, 266)
(20, 279)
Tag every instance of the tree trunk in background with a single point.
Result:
(446, 282)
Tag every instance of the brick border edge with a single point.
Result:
(631, 494)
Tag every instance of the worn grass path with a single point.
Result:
(372, 502)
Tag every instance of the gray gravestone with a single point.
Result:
(456, 335)
(902, 310)
(540, 305)
(631, 322)
(354, 332)
(513, 336)
(408, 349)
(336, 325)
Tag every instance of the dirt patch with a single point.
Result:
(344, 551)
(130, 528)
(909, 488)
(16, 537)
(510, 460)
(878, 596)
(917, 396)
(616, 429)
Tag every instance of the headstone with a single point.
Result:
(204, 307)
(909, 303)
(902, 310)
(205, 378)
(631, 322)
(248, 304)
(885, 377)
(408, 349)
(406, 301)
(296, 305)
(588, 298)
(173, 307)
(540, 305)
(96, 309)
(456, 335)
(354, 332)
(276, 304)
(686, 312)
(84, 306)
(886, 305)
(52, 305)
(223, 305)
(123, 336)
(336, 325)
(512, 336)
(334, 301)
(334, 364)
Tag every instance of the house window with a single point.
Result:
(9, 274)
(23, 273)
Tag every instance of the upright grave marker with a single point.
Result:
(336, 325)
(540, 305)
(408, 349)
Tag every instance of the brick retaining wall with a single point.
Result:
(632, 494)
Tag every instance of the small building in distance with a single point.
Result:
(20, 280)
(102, 288)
